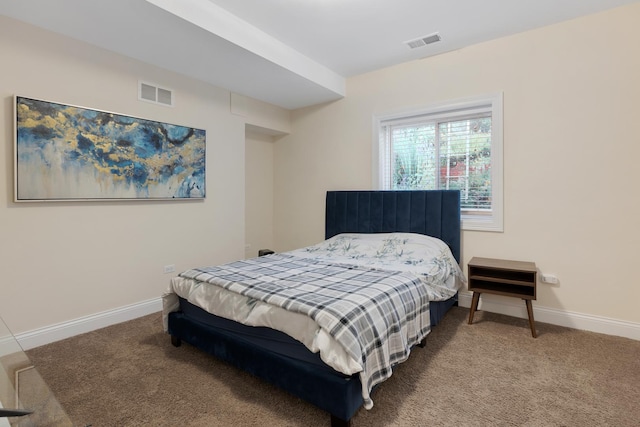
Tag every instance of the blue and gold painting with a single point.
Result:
(65, 152)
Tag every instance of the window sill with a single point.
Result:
(474, 223)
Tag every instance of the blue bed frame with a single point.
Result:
(434, 213)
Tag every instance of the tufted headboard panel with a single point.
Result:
(435, 213)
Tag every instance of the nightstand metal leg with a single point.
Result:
(474, 306)
(531, 322)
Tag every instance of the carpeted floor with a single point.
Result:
(491, 373)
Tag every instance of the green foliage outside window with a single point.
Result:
(457, 158)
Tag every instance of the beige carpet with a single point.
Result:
(491, 373)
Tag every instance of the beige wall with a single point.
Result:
(571, 96)
(265, 125)
(63, 261)
(258, 193)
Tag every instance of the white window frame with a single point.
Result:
(478, 222)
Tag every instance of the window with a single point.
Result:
(453, 146)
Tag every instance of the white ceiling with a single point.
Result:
(291, 53)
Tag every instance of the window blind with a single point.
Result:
(451, 150)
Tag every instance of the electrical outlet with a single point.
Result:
(550, 278)
(169, 269)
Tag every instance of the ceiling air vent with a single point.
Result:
(423, 41)
(152, 93)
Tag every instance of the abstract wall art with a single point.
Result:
(65, 152)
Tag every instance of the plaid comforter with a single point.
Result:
(376, 315)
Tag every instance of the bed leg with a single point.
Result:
(339, 422)
(423, 343)
(176, 341)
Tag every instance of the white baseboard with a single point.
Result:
(85, 324)
(515, 307)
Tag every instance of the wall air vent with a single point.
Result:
(423, 41)
(152, 93)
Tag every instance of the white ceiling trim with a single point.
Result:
(222, 23)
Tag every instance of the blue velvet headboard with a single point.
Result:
(435, 213)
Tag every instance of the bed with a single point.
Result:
(315, 366)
